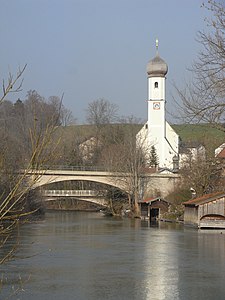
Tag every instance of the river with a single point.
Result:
(82, 255)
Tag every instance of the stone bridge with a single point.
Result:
(152, 183)
(44, 177)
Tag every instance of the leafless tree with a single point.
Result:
(15, 182)
(65, 115)
(128, 159)
(203, 98)
(13, 84)
(202, 175)
(101, 112)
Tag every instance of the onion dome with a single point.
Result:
(157, 67)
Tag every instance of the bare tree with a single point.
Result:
(203, 98)
(202, 175)
(65, 115)
(101, 112)
(13, 84)
(16, 184)
(128, 158)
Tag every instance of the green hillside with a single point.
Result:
(202, 133)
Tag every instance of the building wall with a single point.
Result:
(161, 185)
(216, 207)
(194, 214)
(156, 93)
(158, 204)
(191, 215)
(166, 148)
(171, 145)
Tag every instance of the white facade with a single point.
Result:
(157, 132)
(191, 154)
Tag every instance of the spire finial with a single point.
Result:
(157, 45)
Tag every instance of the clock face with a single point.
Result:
(156, 105)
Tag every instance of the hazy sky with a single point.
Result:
(91, 49)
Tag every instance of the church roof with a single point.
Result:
(157, 67)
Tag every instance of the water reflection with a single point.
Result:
(88, 256)
(159, 263)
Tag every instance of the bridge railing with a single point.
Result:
(74, 168)
(70, 193)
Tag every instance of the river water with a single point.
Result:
(80, 255)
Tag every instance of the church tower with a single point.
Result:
(157, 131)
(156, 72)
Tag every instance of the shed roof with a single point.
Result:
(152, 199)
(204, 199)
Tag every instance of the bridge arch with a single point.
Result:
(43, 183)
(53, 176)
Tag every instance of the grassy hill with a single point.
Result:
(201, 133)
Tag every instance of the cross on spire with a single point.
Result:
(157, 45)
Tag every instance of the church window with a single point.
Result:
(156, 85)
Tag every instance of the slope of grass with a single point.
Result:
(201, 133)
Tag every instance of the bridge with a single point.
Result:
(163, 182)
(44, 177)
(92, 196)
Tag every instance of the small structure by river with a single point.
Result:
(207, 211)
(153, 208)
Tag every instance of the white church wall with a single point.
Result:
(141, 137)
(154, 139)
(173, 143)
(166, 147)
(146, 138)
(156, 115)
(157, 87)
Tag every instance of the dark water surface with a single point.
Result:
(74, 255)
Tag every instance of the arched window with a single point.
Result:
(156, 85)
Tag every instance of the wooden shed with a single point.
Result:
(153, 208)
(207, 211)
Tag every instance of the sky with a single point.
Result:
(93, 49)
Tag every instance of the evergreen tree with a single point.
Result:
(153, 157)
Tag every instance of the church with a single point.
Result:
(156, 133)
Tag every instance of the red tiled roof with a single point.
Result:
(204, 199)
(148, 199)
(221, 154)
